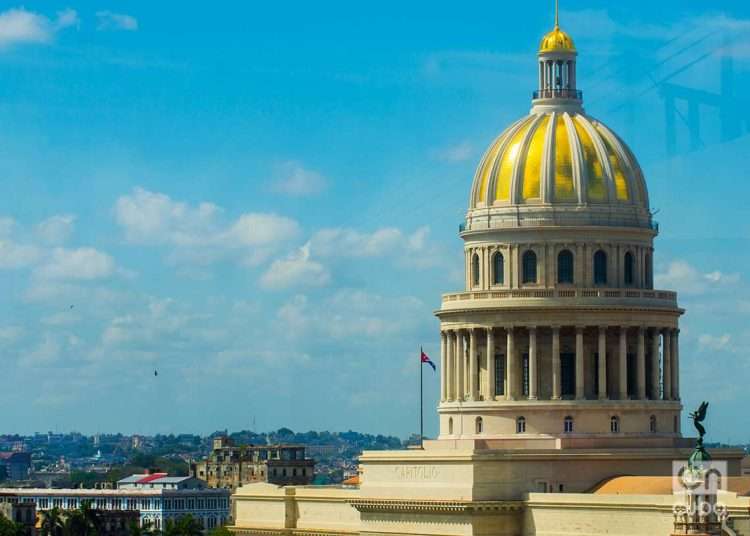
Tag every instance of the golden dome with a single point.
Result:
(557, 41)
(559, 158)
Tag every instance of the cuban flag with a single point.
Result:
(426, 359)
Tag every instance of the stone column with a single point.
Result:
(450, 368)
(676, 364)
(473, 366)
(667, 357)
(641, 365)
(510, 373)
(556, 380)
(655, 365)
(491, 364)
(533, 381)
(443, 371)
(603, 363)
(580, 390)
(460, 362)
(623, 365)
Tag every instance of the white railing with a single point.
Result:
(568, 293)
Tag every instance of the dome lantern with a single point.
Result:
(557, 70)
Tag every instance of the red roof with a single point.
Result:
(151, 478)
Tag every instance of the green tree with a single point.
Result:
(52, 523)
(9, 528)
(183, 526)
(220, 531)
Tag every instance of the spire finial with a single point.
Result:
(557, 14)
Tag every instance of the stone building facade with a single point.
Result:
(230, 466)
(560, 361)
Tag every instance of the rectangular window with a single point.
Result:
(500, 374)
(632, 376)
(568, 374)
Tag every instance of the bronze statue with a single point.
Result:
(698, 417)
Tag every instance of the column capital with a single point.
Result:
(603, 328)
(642, 330)
(531, 328)
(555, 328)
(579, 329)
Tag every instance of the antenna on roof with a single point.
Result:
(557, 14)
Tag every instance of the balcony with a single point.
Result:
(561, 297)
(558, 93)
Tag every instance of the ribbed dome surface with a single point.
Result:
(558, 158)
(557, 40)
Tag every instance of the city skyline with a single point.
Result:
(245, 208)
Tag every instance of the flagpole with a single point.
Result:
(421, 402)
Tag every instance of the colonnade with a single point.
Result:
(638, 373)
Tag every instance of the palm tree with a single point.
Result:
(75, 524)
(92, 518)
(146, 529)
(52, 523)
(184, 526)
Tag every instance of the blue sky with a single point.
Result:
(262, 202)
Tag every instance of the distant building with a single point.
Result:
(22, 513)
(15, 465)
(155, 498)
(230, 466)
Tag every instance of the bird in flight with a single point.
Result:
(156, 372)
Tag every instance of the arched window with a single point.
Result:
(475, 270)
(529, 267)
(568, 424)
(498, 269)
(565, 267)
(629, 269)
(614, 425)
(478, 425)
(450, 425)
(652, 424)
(600, 268)
(521, 425)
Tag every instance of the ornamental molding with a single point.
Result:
(436, 506)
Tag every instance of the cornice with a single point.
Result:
(436, 507)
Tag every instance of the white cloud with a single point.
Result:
(79, 264)
(10, 334)
(197, 233)
(296, 180)
(460, 152)
(116, 21)
(351, 313)
(154, 218)
(716, 343)
(684, 278)
(46, 351)
(259, 229)
(19, 26)
(14, 256)
(56, 229)
(297, 270)
(343, 242)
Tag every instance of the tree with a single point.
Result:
(9, 528)
(220, 531)
(52, 523)
(146, 529)
(183, 526)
